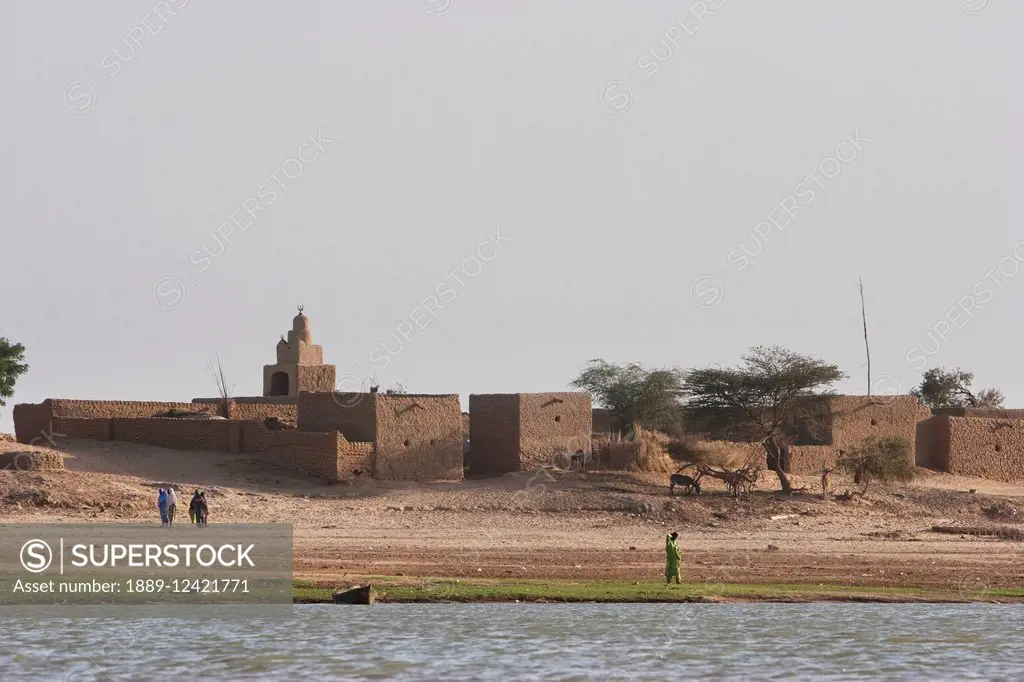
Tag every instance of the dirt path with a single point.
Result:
(554, 524)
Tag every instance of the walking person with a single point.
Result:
(673, 554)
(161, 503)
(202, 511)
(193, 505)
(172, 503)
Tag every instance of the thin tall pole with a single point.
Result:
(864, 318)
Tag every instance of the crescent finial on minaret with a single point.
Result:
(300, 309)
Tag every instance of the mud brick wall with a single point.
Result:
(808, 460)
(551, 423)
(180, 434)
(310, 453)
(419, 437)
(979, 412)
(493, 433)
(351, 413)
(931, 449)
(858, 417)
(354, 457)
(989, 448)
(31, 421)
(315, 378)
(285, 408)
(120, 409)
(38, 460)
(207, 403)
(842, 423)
(95, 429)
(854, 418)
(943, 439)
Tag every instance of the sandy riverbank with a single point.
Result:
(556, 526)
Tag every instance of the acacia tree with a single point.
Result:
(633, 394)
(942, 387)
(12, 366)
(765, 398)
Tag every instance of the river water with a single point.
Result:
(585, 642)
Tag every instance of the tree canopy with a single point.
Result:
(941, 387)
(12, 366)
(633, 394)
(886, 459)
(767, 397)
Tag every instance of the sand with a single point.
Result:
(551, 524)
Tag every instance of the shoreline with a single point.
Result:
(404, 590)
(578, 537)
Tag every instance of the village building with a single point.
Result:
(302, 422)
(519, 431)
(333, 435)
(300, 363)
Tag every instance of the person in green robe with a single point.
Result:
(672, 556)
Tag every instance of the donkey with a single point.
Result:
(577, 460)
(688, 484)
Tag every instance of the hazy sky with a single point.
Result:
(668, 183)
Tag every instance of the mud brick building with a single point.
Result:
(409, 437)
(300, 363)
(519, 431)
(984, 442)
(848, 420)
(423, 437)
(326, 455)
(414, 436)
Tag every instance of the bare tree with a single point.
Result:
(222, 385)
(739, 481)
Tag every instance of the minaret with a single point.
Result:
(300, 363)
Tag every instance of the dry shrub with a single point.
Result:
(1002, 510)
(721, 454)
(648, 451)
